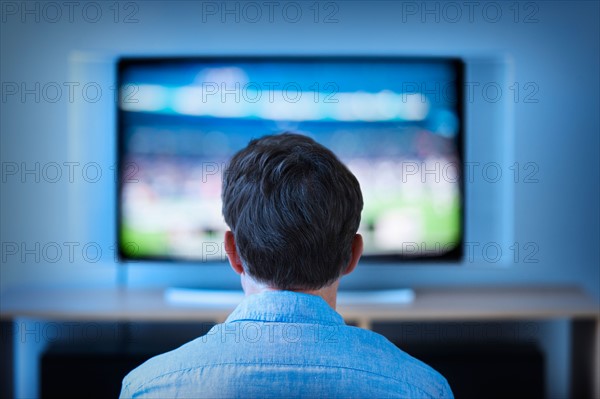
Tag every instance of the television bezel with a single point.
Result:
(454, 256)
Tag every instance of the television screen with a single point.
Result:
(395, 122)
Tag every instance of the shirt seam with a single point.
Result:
(279, 364)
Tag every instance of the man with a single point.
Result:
(294, 210)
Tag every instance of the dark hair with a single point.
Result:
(294, 209)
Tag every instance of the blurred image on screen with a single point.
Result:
(396, 123)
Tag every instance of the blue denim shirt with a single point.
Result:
(282, 344)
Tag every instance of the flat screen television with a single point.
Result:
(396, 122)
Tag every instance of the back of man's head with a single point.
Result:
(294, 210)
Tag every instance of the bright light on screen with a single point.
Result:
(396, 123)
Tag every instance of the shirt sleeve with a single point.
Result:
(447, 391)
(125, 390)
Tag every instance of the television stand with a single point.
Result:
(193, 297)
(456, 304)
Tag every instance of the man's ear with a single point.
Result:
(232, 255)
(357, 250)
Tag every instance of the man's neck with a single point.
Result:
(329, 293)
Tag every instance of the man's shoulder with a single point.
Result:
(387, 359)
(157, 367)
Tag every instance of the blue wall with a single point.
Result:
(550, 53)
(548, 50)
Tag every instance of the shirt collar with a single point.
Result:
(286, 307)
